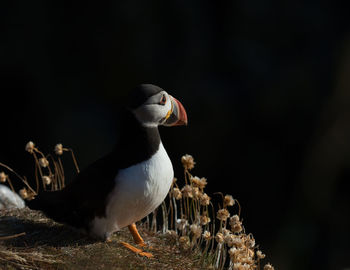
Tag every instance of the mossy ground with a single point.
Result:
(49, 245)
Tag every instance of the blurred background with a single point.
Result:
(265, 85)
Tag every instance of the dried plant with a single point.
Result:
(25, 260)
(192, 225)
(188, 214)
(48, 170)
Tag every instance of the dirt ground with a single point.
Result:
(49, 245)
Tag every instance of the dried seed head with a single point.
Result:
(204, 220)
(234, 240)
(195, 192)
(241, 266)
(203, 183)
(171, 233)
(59, 149)
(206, 235)
(204, 199)
(184, 242)
(199, 182)
(223, 214)
(260, 255)
(43, 162)
(268, 267)
(195, 181)
(196, 230)
(187, 162)
(232, 251)
(229, 239)
(237, 241)
(219, 238)
(187, 191)
(176, 193)
(234, 219)
(3, 177)
(23, 193)
(228, 201)
(250, 253)
(250, 242)
(184, 239)
(46, 179)
(225, 231)
(237, 227)
(30, 147)
(181, 223)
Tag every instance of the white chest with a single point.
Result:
(138, 191)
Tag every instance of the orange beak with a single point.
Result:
(178, 115)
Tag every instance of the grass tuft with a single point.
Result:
(191, 231)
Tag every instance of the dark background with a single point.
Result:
(265, 85)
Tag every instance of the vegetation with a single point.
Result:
(192, 232)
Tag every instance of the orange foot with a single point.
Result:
(138, 240)
(137, 250)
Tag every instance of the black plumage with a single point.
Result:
(86, 196)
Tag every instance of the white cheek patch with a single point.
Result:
(151, 115)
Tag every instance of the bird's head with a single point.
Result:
(152, 106)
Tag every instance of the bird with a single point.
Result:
(129, 182)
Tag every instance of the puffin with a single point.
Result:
(128, 183)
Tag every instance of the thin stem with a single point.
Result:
(154, 221)
(222, 196)
(59, 173)
(239, 208)
(11, 186)
(11, 170)
(230, 267)
(53, 176)
(74, 160)
(148, 223)
(223, 257)
(218, 256)
(213, 227)
(23, 179)
(48, 167)
(171, 211)
(61, 170)
(205, 252)
(36, 177)
(165, 217)
(58, 178)
(12, 236)
(39, 167)
(28, 186)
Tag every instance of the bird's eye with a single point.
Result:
(163, 100)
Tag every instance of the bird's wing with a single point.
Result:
(82, 199)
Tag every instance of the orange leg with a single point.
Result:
(135, 234)
(138, 240)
